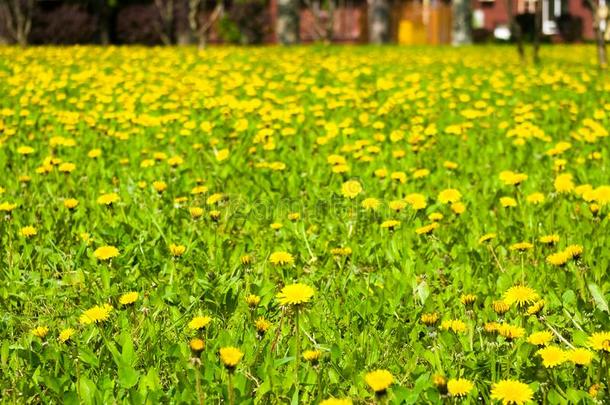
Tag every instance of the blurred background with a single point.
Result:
(201, 22)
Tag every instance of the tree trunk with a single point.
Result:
(601, 25)
(515, 29)
(330, 26)
(166, 14)
(104, 22)
(537, 30)
(602, 57)
(461, 30)
(288, 22)
(193, 19)
(18, 19)
(322, 31)
(379, 21)
(208, 24)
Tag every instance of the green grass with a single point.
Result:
(281, 113)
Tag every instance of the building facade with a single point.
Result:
(416, 22)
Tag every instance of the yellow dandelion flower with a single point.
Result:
(281, 258)
(458, 208)
(439, 381)
(511, 178)
(381, 173)
(295, 294)
(397, 205)
(159, 186)
(196, 212)
(454, 325)
(253, 300)
(96, 314)
(106, 252)
(600, 341)
(312, 356)
(426, 229)
(390, 224)
(70, 203)
(94, 153)
(574, 250)
(435, 216)
(535, 198)
(66, 335)
(379, 380)
(541, 338)
(199, 190)
(371, 204)
(341, 251)
(108, 199)
(399, 177)
(128, 298)
(520, 295)
(199, 322)
(459, 387)
(491, 327)
(222, 154)
(595, 389)
(580, 356)
(351, 188)
(175, 161)
(511, 392)
(66, 167)
(564, 183)
(449, 195)
(536, 307)
(416, 201)
(28, 231)
(510, 332)
(549, 239)
(500, 307)
(447, 164)
(468, 299)
(7, 207)
(40, 331)
(25, 150)
(420, 173)
(262, 325)
(508, 202)
(197, 345)
(214, 199)
(487, 237)
(246, 259)
(230, 356)
(559, 258)
(429, 318)
(552, 356)
(177, 250)
(521, 246)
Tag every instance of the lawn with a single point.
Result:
(297, 225)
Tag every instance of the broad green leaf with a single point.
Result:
(598, 297)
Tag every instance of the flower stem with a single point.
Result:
(77, 366)
(173, 270)
(198, 385)
(319, 384)
(297, 337)
(522, 270)
(231, 397)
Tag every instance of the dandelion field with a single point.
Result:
(308, 225)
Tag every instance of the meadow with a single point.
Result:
(306, 225)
